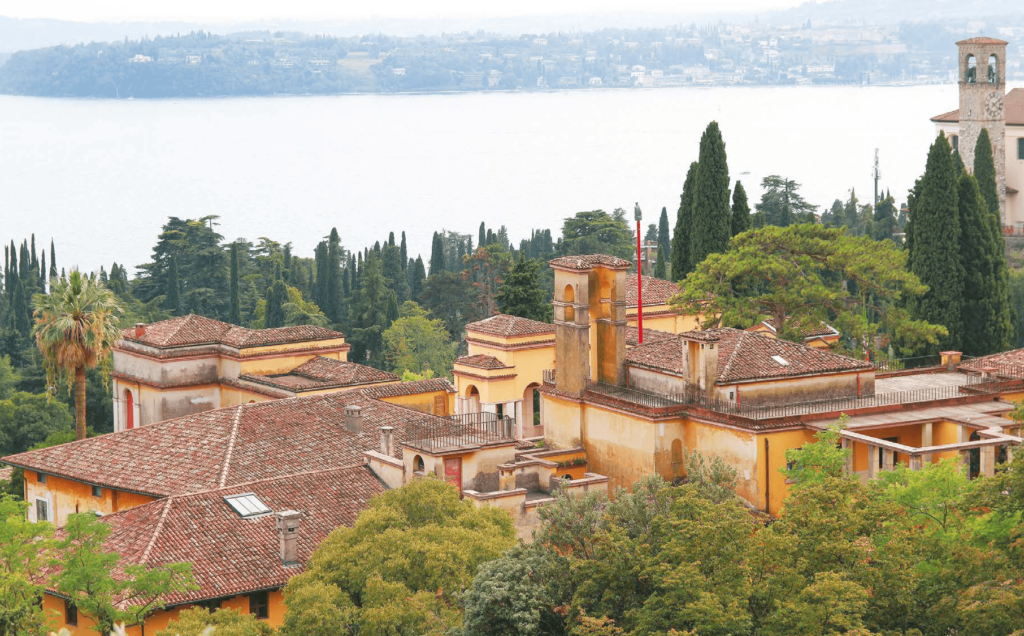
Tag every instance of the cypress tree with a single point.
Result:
(664, 233)
(999, 327)
(20, 316)
(482, 235)
(332, 290)
(320, 280)
(437, 255)
(711, 226)
(53, 261)
(35, 254)
(287, 261)
(234, 308)
(391, 268)
(976, 251)
(681, 235)
(404, 252)
(958, 164)
(391, 239)
(934, 252)
(659, 265)
(173, 301)
(276, 295)
(740, 210)
(417, 274)
(42, 271)
(521, 293)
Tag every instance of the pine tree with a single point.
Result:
(740, 210)
(999, 328)
(417, 274)
(404, 252)
(681, 235)
(173, 301)
(934, 250)
(711, 226)
(659, 265)
(521, 294)
(234, 308)
(437, 255)
(664, 233)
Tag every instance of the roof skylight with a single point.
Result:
(781, 360)
(247, 505)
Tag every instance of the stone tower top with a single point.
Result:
(982, 74)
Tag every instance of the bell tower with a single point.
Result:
(982, 68)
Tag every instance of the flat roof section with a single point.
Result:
(919, 381)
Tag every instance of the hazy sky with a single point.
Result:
(224, 10)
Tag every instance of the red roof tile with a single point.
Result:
(589, 261)
(5, 473)
(321, 373)
(744, 356)
(1012, 357)
(226, 446)
(231, 555)
(194, 330)
(1013, 107)
(510, 326)
(650, 336)
(408, 388)
(481, 362)
(656, 290)
(981, 40)
(821, 330)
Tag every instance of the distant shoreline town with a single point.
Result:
(201, 64)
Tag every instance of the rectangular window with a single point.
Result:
(259, 605)
(41, 478)
(1020, 148)
(881, 451)
(97, 491)
(42, 511)
(210, 604)
(70, 614)
(956, 141)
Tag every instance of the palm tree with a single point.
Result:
(76, 324)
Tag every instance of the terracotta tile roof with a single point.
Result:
(656, 290)
(505, 325)
(481, 362)
(1013, 107)
(5, 473)
(588, 261)
(226, 446)
(650, 335)
(231, 555)
(409, 388)
(821, 330)
(1012, 357)
(744, 356)
(193, 330)
(321, 373)
(981, 40)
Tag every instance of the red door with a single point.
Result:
(129, 410)
(453, 472)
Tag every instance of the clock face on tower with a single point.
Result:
(994, 105)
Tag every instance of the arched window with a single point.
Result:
(418, 465)
(992, 69)
(971, 71)
(569, 295)
(129, 410)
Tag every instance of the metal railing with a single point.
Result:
(635, 396)
(903, 364)
(457, 431)
(548, 376)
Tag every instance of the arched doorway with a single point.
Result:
(974, 457)
(472, 399)
(129, 410)
(531, 411)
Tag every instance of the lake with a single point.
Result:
(100, 177)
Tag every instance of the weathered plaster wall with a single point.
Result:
(654, 381)
(840, 385)
(772, 488)
(65, 497)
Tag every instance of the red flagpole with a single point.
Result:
(639, 287)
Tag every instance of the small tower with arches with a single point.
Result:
(982, 72)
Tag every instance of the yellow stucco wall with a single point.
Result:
(231, 396)
(655, 318)
(54, 605)
(279, 363)
(424, 402)
(769, 465)
(65, 497)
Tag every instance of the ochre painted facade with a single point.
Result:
(63, 497)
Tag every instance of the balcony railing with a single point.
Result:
(438, 434)
(548, 376)
(903, 364)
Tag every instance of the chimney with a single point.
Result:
(140, 330)
(709, 353)
(387, 440)
(287, 523)
(354, 418)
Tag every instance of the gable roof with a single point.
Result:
(822, 330)
(650, 336)
(191, 330)
(1013, 107)
(323, 373)
(589, 261)
(744, 356)
(1013, 357)
(231, 555)
(415, 387)
(510, 326)
(481, 361)
(222, 447)
(656, 290)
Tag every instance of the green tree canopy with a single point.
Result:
(794, 276)
(197, 621)
(711, 226)
(781, 203)
(682, 264)
(740, 215)
(415, 342)
(597, 232)
(521, 294)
